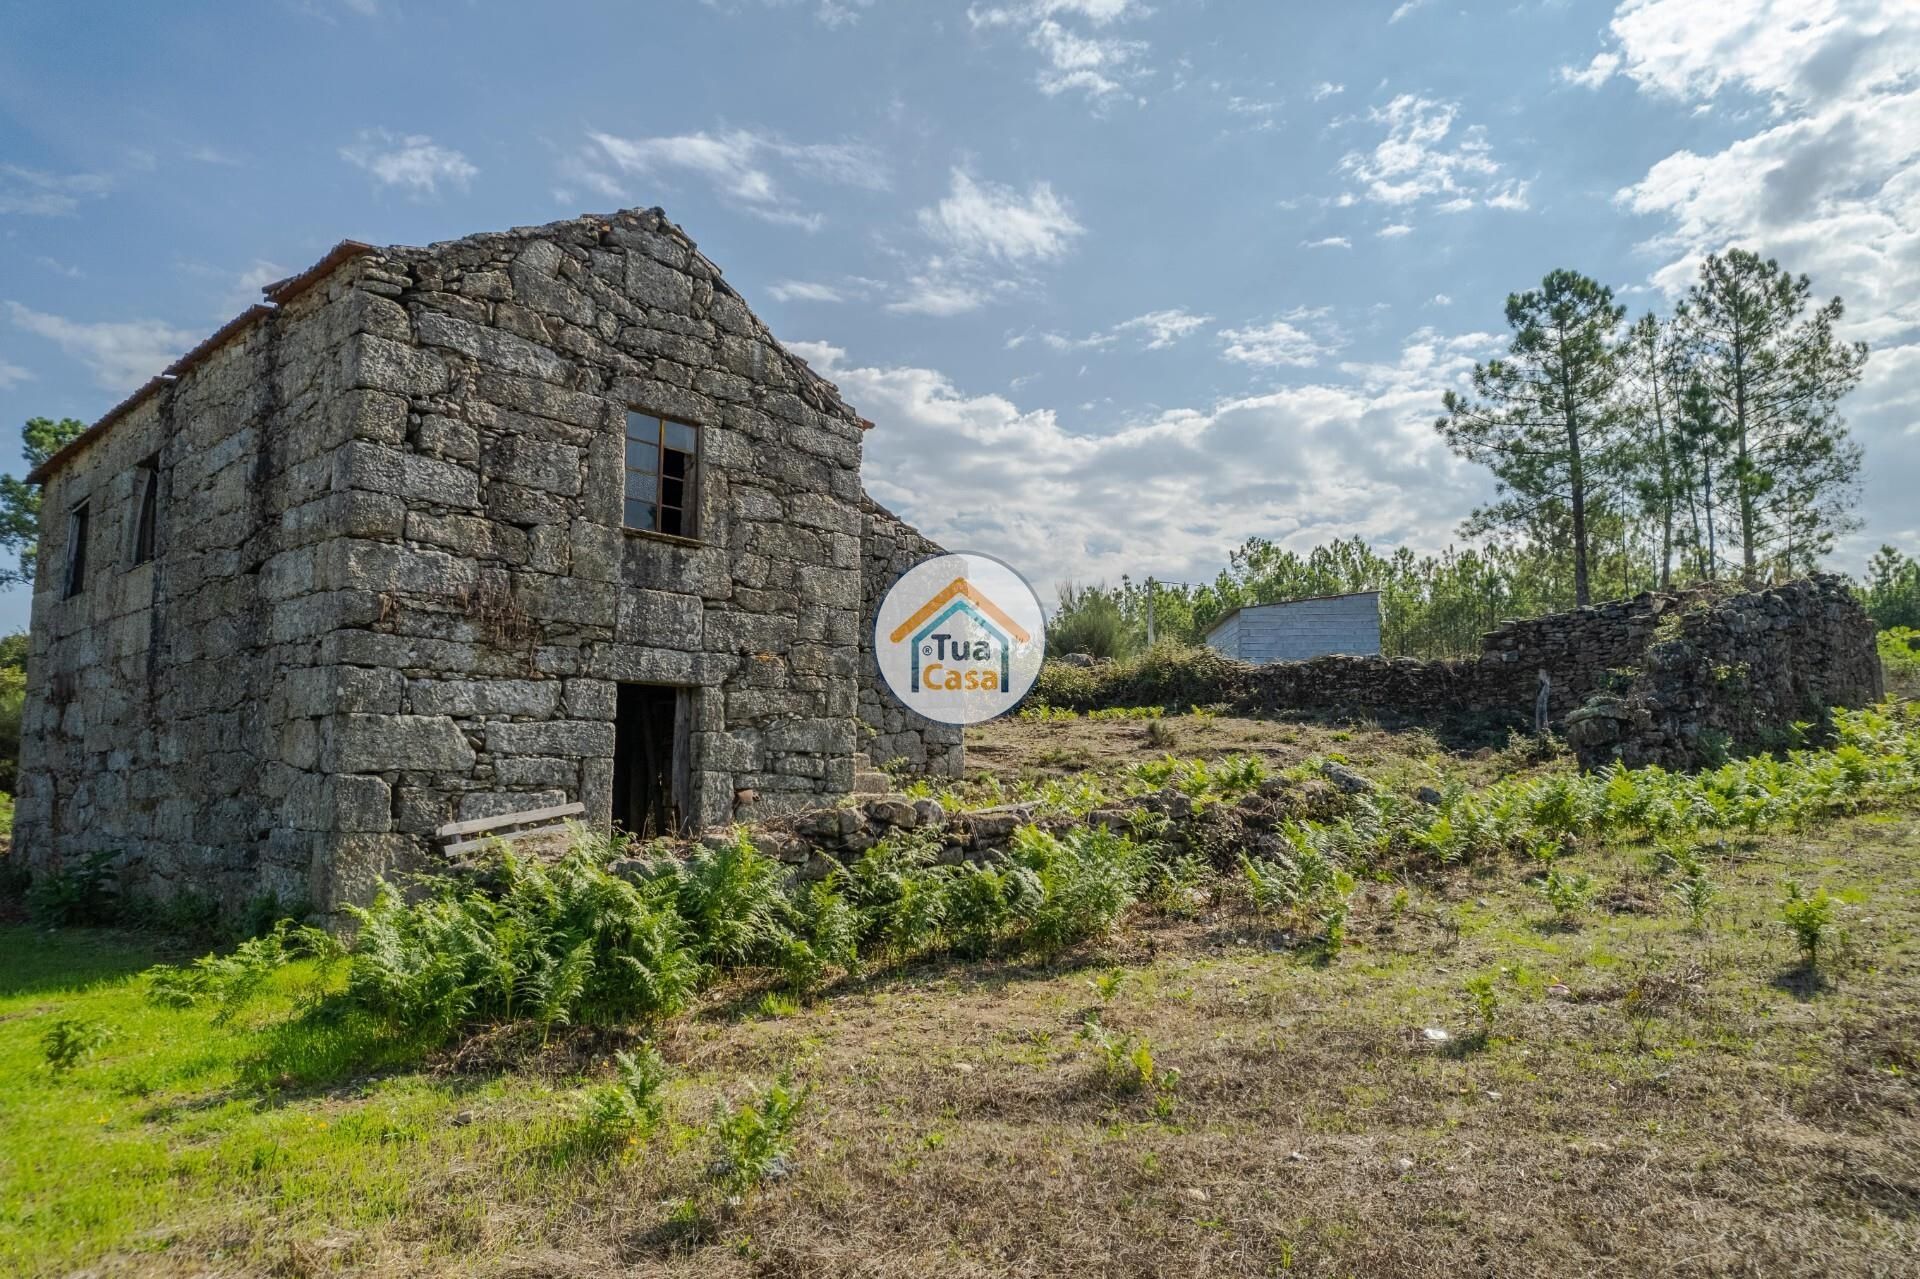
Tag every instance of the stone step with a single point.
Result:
(868, 780)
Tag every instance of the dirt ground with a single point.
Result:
(1012, 749)
(1648, 1098)
(1651, 1101)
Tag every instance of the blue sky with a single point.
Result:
(1121, 283)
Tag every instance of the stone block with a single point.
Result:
(355, 743)
(537, 464)
(471, 697)
(660, 619)
(377, 469)
(381, 364)
(571, 739)
(655, 284)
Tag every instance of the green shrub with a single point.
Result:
(1567, 893)
(80, 894)
(1696, 894)
(1900, 659)
(1809, 919)
(71, 1040)
(732, 897)
(228, 981)
(1064, 686)
(898, 894)
(984, 903)
(629, 1107)
(558, 944)
(825, 934)
(754, 1141)
(1088, 877)
(1484, 998)
(1168, 677)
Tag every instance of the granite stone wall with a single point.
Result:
(173, 715)
(1731, 677)
(891, 734)
(395, 589)
(1647, 679)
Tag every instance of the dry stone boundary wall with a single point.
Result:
(1674, 678)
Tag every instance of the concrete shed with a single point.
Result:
(1295, 630)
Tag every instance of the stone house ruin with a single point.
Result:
(519, 520)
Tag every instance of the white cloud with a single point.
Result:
(1073, 59)
(804, 291)
(1440, 299)
(1338, 458)
(737, 163)
(828, 13)
(1286, 341)
(413, 162)
(1329, 242)
(1827, 180)
(37, 193)
(12, 375)
(122, 354)
(1164, 328)
(214, 156)
(1394, 231)
(1159, 329)
(1422, 158)
(1790, 52)
(939, 295)
(1327, 89)
(1595, 73)
(987, 220)
(1091, 64)
(840, 13)
(1408, 7)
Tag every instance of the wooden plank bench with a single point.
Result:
(489, 829)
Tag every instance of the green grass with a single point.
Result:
(1646, 1090)
(176, 1127)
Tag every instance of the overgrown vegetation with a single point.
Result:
(576, 982)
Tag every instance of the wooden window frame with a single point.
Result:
(690, 492)
(145, 545)
(79, 532)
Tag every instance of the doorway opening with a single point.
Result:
(652, 764)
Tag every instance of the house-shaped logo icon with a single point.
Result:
(959, 597)
(959, 638)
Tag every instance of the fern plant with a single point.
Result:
(630, 1107)
(71, 1040)
(754, 1140)
(1810, 919)
(1567, 893)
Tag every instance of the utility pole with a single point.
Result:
(1149, 612)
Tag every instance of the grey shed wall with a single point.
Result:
(1301, 629)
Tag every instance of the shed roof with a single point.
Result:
(1304, 599)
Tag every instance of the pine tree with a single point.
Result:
(1654, 373)
(1778, 373)
(1544, 418)
(1701, 441)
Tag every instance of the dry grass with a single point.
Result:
(1651, 1100)
(1651, 1097)
(1014, 749)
